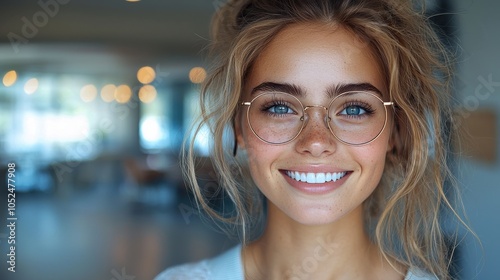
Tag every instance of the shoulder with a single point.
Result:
(224, 266)
(198, 271)
(418, 274)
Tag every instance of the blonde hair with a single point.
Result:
(407, 206)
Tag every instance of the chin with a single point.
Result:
(317, 217)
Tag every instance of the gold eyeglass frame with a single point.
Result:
(327, 118)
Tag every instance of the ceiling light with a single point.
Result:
(10, 78)
(31, 86)
(147, 93)
(123, 93)
(146, 75)
(108, 93)
(88, 93)
(197, 75)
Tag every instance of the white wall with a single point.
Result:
(479, 32)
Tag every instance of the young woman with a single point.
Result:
(341, 119)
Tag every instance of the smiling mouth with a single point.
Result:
(315, 178)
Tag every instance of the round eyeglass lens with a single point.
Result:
(357, 117)
(276, 118)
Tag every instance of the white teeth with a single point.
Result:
(320, 178)
(315, 178)
(302, 177)
(328, 177)
(311, 177)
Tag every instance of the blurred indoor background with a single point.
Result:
(95, 100)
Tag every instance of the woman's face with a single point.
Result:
(314, 60)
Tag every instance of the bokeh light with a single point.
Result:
(10, 78)
(31, 86)
(197, 75)
(88, 93)
(108, 93)
(123, 93)
(146, 75)
(147, 93)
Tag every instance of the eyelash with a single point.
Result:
(265, 107)
(366, 107)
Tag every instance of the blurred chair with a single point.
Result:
(149, 186)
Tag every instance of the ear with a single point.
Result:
(394, 137)
(238, 132)
(395, 140)
(392, 140)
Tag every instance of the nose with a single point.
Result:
(316, 138)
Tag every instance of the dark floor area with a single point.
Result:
(102, 232)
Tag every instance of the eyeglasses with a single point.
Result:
(354, 118)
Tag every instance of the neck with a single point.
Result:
(289, 250)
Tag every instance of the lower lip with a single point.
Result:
(317, 189)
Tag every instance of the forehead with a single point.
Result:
(315, 57)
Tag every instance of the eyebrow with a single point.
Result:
(331, 91)
(341, 88)
(279, 87)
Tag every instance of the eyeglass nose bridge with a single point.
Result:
(326, 119)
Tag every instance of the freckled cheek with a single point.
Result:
(261, 153)
(260, 171)
(257, 151)
(371, 158)
(261, 159)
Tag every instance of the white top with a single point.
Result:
(228, 266)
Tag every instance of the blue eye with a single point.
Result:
(353, 110)
(280, 109)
